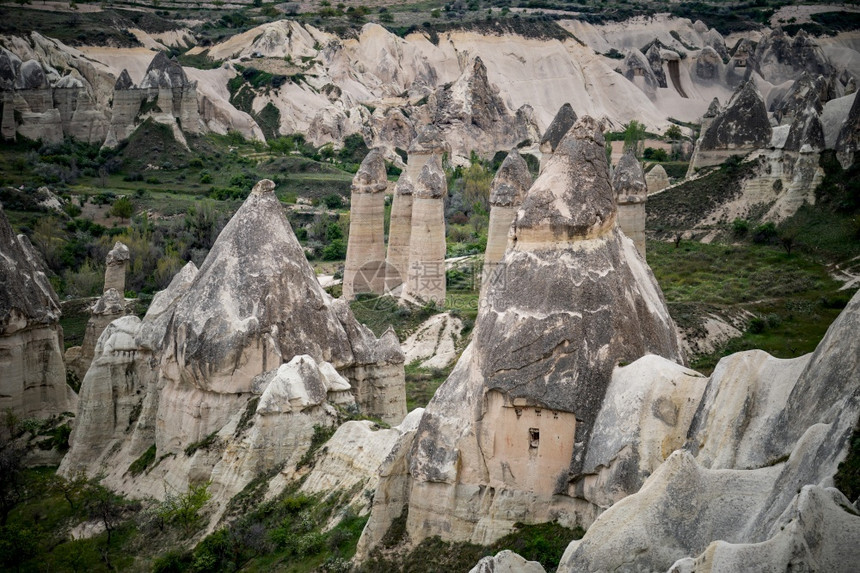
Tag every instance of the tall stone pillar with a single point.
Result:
(631, 193)
(115, 265)
(560, 125)
(364, 271)
(399, 231)
(427, 143)
(426, 275)
(509, 188)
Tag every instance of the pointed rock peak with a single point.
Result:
(744, 122)
(653, 52)
(572, 199)
(123, 82)
(777, 32)
(628, 181)
(371, 176)
(429, 140)
(263, 187)
(404, 185)
(31, 76)
(118, 254)
(561, 123)
(164, 73)
(431, 182)
(512, 181)
(713, 109)
(806, 130)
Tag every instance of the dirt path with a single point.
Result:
(675, 74)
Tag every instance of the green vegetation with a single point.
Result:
(142, 463)
(792, 298)
(544, 543)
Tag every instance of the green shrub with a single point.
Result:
(740, 228)
(334, 251)
(145, 460)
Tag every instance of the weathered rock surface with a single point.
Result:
(631, 193)
(507, 192)
(32, 374)
(656, 62)
(637, 69)
(506, 562)
(656, 179)
(561, 124)
(231, 368)
(849, 136)
(779, 57)
(116, 263)
(426, 274)
(364, 269)
(436, 343)
(762, 448)
(709, 64)
(399, 234)
(506, 437)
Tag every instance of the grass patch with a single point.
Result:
(145, 460)
(203, 444)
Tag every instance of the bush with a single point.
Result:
(740, 228)
(764, 233)
(334, 251)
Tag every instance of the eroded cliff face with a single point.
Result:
(232, 367)
(32, 374)
(758, 464)
(507, 436)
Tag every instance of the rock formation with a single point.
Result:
(637, 69)
(506, 562)
(511, 435)
(743, 126)
(849, 136)
(364, 269)
(32, 374)
(709, 65)
(426, 274)
(165, 94)
(399, 233)
(631, 193)
(765, 442)
(231, 368)
(507, 192)
(473, 117)
(656, 62)
(656, 179)
(780, 58)
(427, 143)
(714, 40)
(561, 124)
(115, 266)
(109, 307)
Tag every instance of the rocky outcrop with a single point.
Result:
(426, 274)
(808, 91)
(427, 143)
(472, 116)
(656, 179)
(849, 136)
(743, 126)
(631, 193)
(780, 58)
(561, 124)
(766, 440)
(109, 307)
(364, 269)
(714, 40)
(637, 69)
(165, 94)
(508, 436)
(709, 65)
(33, 379)
(656, 62)
(246, 356)
(506, 562)
(507, 192)
(399, 233)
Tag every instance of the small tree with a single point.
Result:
(634, 132)
(673, 133)
(122, 208)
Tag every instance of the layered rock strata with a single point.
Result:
(425, 278)
(116, 263)
(364, 269)
(507, 192)
(631, 193)
(399, 234)
(231, 368)
(32, 374)
(515, 433)
(427, 143)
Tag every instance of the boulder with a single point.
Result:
(506, 562)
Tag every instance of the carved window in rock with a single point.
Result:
(534, 437)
